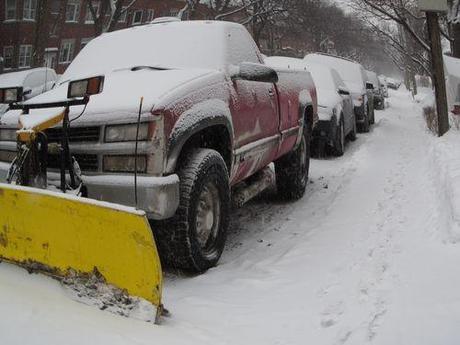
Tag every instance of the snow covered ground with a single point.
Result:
(370, 255)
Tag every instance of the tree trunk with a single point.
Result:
(41, 32)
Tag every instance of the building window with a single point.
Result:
(123, 14)
(25, 56)
(137, 17)
(150, 15)
(8, 53)
(55, 7)
(30, 9)
(89, 16)
(66, 53)
(173, 12)
(10, 9)
(84, 42)
(72, 13)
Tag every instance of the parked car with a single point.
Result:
(393, 84)
(383, 85)
(354, 76)
(27, 84)
(335, 105)
(452, 72)
(379, 98)
(213, 118)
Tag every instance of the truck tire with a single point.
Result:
(194, 239)
(292, 170)
(339, 140)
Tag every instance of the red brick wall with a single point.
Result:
(20, 32)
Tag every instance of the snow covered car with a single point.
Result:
(393, 83)
(24, 85)
(452, 71)
(335, 105)
(212, 119)
(354, 76)
(379, 98)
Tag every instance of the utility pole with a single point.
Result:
(432, 8)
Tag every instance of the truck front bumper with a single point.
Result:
(157, 196)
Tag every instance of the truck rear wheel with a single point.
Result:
(194, 238)
(292, 170)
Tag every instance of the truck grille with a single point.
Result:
(87, 162)
(76, 134)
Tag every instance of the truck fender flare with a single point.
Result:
(197, 118)
(305, 101)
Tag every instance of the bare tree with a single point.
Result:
(108, 14)
(403, 27)
(453, 22)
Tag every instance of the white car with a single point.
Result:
(355, 77)
(335, 105)
(24, 85)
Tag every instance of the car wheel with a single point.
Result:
(353, 134)
(194, 238)
(372, 119)
(292, 170)
(365, 126)
(339, 142)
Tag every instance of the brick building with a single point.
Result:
(51, 32)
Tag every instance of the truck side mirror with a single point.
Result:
(254, 72)
(343, 91)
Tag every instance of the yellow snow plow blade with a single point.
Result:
(61, 234)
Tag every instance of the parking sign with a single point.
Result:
(432, 5)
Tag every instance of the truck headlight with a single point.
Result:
(8, 134)
(85, 87)
(121, 163)
(119, 133)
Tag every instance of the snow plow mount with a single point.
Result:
(63, 234)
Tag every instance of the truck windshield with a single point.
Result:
(171, 45)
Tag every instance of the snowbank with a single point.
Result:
(446, 163)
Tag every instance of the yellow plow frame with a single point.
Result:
(59, 234)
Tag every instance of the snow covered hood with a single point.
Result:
(121, 95)
(16, 79)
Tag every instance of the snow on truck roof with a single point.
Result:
(15, 79)
(170, 44)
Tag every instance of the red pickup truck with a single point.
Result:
(214, 116)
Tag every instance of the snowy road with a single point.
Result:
(365, 257)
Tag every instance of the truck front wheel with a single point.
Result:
(292, 170)
(194, 238)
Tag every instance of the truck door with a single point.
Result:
(255, 111)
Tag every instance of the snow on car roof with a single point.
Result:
(321, 74)
(14, 79)
(188, 44)
(351, 72)
(372, 77)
